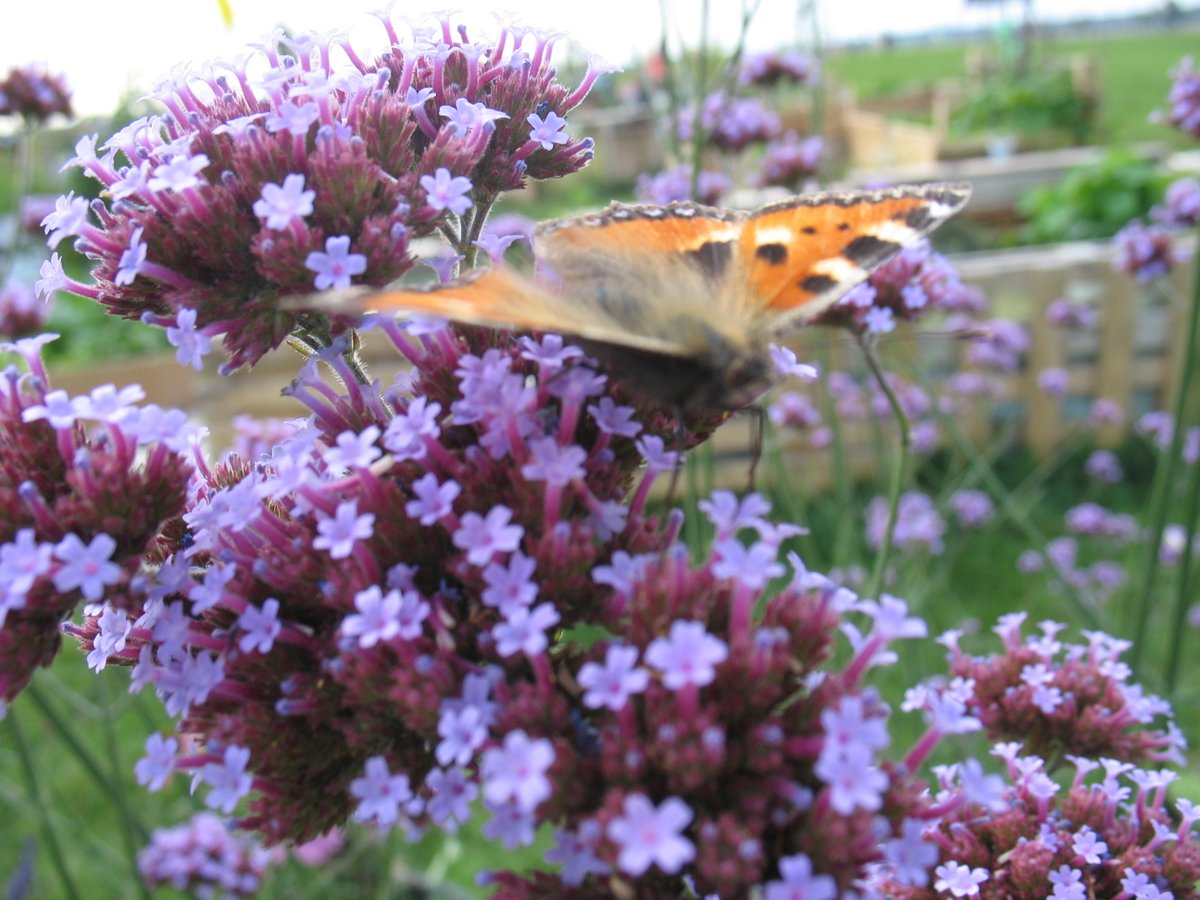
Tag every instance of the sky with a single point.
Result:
(111, 50)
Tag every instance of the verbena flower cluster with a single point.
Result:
(382, 618)
(373, 621)
(915, 282)
(288, 172)
(1184, 99)
(1147, 251)
(1030, 835)
(34, 94)
(676, 184)
(789, 161)
(776, 67)
(22, 314)
(201, 857)
(87, 486)
(731, 123)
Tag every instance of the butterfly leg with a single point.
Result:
(680, 442)
(758, 428)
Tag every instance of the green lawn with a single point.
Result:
(1134, 73)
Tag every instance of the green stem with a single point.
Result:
(1165, 472)
(899, 467)
(839, 554)
(1014, 513)
(22, 185)
(1185, 593)
(133, 833)
(698, 135)
(71, 739)
(34, 788)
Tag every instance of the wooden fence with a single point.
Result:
(1131, 358)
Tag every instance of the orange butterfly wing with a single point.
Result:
(806, 252)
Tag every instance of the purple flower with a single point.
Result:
(482, 537)
(1184, 99)
(689, 655)
(228, 779)
(752, 567)
(465, 116)
(336, 265)
(259, 627)
(798, 881)
(1144, 252)
(1087, 844)
(340, 532)
(442, 191)
(88, 567)
(132, 260)
(910, 856)
(1181, 208)
(463, 731)
(790, 160)
(524, 630)
(380, 794)
(972, 508)
(153, 769)
(279, 205)
(452, 796)
(354, 451)
(179, 173)
(548, 131)
(650, 835)
(377, 618)
(433, 501)
(1054, 382)
(676, 184)
(191, 345)
(854, 781)
(553, 463)
(517, 770)
(510, 825)
(1104, 466)
(69, 219)
(576, 853)
(22, 561)
(611, 684)
(959, 880)
(510, 587)
(879, 320)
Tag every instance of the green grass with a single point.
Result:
(1134, 75)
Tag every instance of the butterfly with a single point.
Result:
(682, 301)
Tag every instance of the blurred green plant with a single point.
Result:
(1038, 102)
(1093, 201)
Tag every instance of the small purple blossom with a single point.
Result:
(340, 532)
(86, 567)
(650, 835)
(446, 192)
(280, 204)
(482, 537)
(688, 655)
(548, 131)
(336, 265)
(516, 771)
(610, 685)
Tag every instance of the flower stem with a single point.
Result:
(899, 467)
(1164, 474)
(133, 832)
(1184, 594)
(34, 790)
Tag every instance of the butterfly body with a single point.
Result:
(681, 301)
